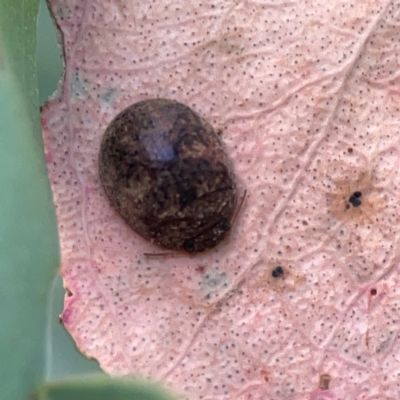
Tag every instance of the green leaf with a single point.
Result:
(50, 65)
(28, 236)
(63, 359)
(100, 387)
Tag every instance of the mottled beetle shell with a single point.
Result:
(167, 173)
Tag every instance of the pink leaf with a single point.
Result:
(307, 95)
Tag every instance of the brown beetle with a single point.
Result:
(167, 173)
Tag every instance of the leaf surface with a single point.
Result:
(307, 95)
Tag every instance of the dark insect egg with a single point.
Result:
(167, 173)
(277, 272)
(355, 199)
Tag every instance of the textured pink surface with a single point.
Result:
(307, 94)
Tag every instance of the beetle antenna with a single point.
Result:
(239, 207)
(154, 255)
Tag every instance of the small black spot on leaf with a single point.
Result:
(355, 199)
(277, 272)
